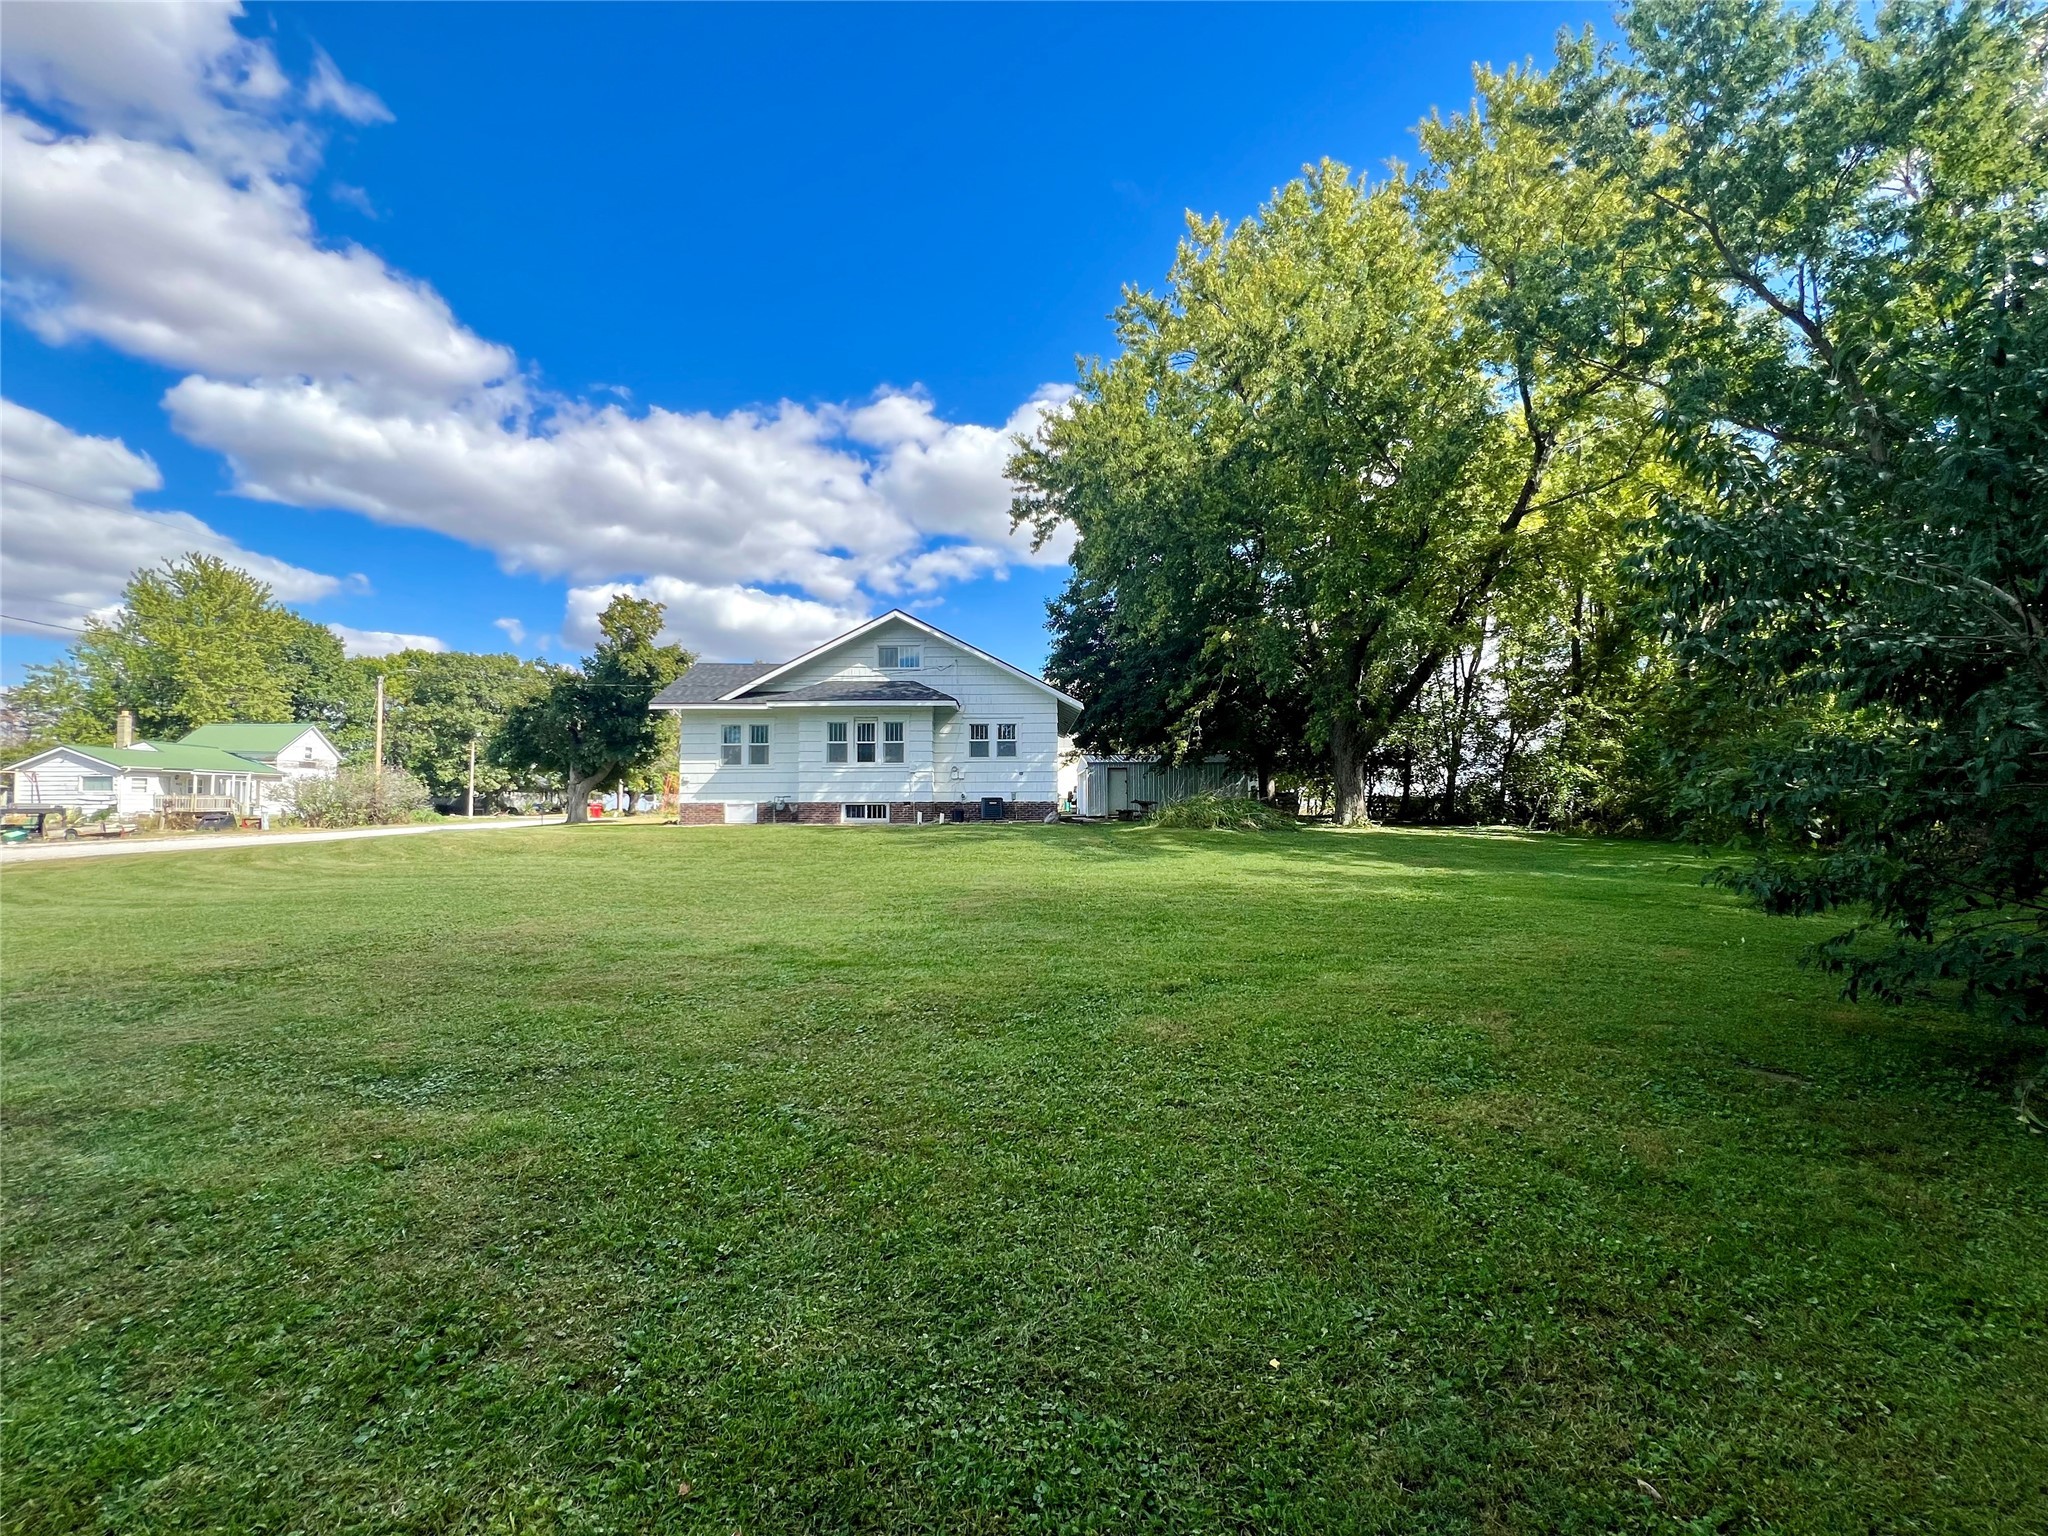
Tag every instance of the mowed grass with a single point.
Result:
(994, 1179)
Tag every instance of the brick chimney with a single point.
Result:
(124, 728)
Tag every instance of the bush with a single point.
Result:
(1209, 813)
(357, 796)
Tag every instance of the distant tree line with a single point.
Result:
(197, 641)
(1663, 450)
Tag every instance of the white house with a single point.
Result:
(893, 721)
(248, 771)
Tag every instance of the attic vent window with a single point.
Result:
(900, 658)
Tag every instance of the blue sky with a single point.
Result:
(452, 319)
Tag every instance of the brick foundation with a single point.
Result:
(818, 813)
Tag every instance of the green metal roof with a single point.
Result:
(170, 756)
(265, 740)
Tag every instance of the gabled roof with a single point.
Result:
(849, 693)
(162, 756)
(706, 682)
(747, 682)
(251, 739)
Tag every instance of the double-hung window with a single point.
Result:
(729, 746)
(1006, 741)
(835, 741)
(892, 741)
(899, 658)
(97, 783)
(977, 741)
(757, 743)
(864, 741)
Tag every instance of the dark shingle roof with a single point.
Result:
(853, 693)
(709, 681)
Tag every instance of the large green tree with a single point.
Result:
(439, 703)
(196, 641)
(591, 727)
(1342, 428)
(1844, 217)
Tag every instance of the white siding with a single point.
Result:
(936, 764)
(59, 778)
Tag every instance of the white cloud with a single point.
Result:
(514, 630)
(382, 642)
(70, 536)
(730, 623)
(327, 91)
(332, 381)
(234, 283)
(781, 497)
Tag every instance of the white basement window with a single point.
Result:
(757, 743)
(899, 658)
(864, 742)
(835, 741)
(892, 741)
(729, 745)
(864, 812)
(977, 741)
(1006, 741)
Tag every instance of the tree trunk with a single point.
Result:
(581, 786)
(1459, 722)
(1350, 753)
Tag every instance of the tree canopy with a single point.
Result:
(195, 641)
(591, 727)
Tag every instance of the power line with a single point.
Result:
(16, 618)
(84, 501)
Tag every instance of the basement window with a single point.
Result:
(864, 812)
(729, 746)
(835, 741)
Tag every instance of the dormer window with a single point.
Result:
(899, 658)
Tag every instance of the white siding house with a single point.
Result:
(246, 770)
(893, 721)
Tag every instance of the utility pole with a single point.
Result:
(380, 733)
(471, 811)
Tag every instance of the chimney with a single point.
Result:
(124, 728)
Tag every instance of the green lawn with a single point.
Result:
(994, 1179)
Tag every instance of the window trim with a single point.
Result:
(896, 751)
(843, 746)
(760, 744)
(978, 740)
(901, 657)
(732, 751)
(848, 809)
(867, 737)
(1006, 741)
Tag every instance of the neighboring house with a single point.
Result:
(249, 771)
(1112, 786)
(891, 722)
(296, 751)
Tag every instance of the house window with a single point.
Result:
(835, 741)
(977, 741)
(757, 743)
(1006, 741)
(900, 658)
(729, 746)
(892, 741)
(864, 812)
(864, 742)
(97, 783)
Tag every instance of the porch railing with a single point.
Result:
(180, 805)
